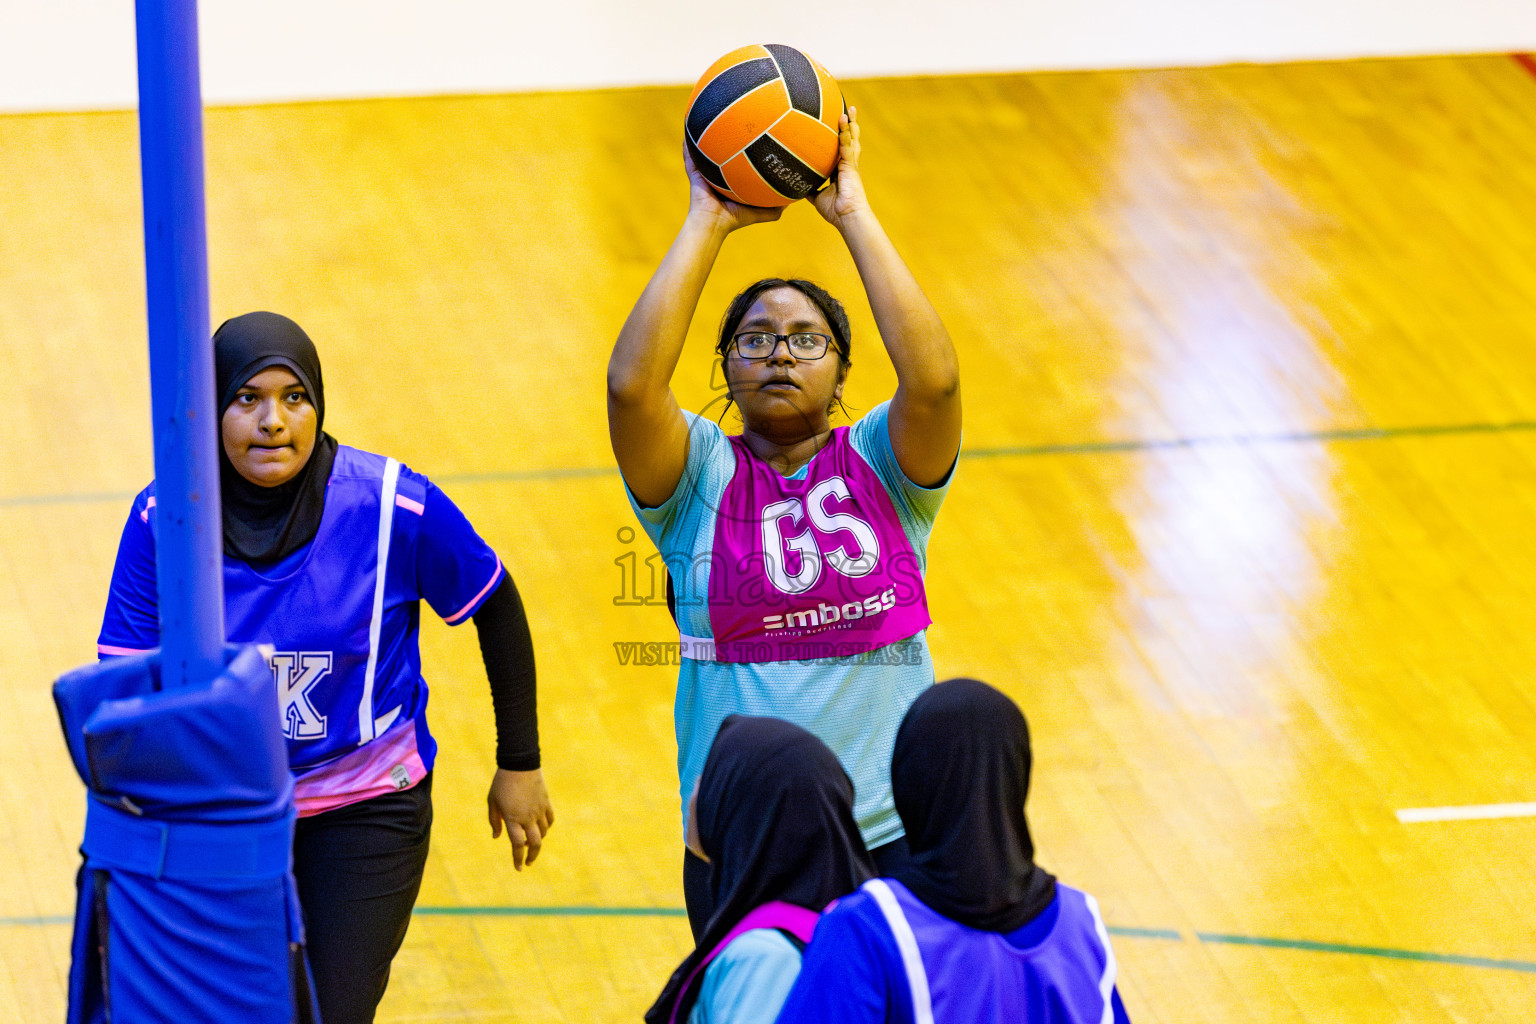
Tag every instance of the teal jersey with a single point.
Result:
(749, 981)
(853, 704)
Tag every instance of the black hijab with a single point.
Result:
(960, 772)
(267, 524)
(775, 817)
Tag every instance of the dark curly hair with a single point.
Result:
(831, 309)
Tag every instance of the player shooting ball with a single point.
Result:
(797, 548)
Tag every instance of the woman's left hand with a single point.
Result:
(843, 197)
(519, 800)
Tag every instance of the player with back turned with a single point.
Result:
(797, 549)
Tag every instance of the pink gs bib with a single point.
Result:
(811, 568)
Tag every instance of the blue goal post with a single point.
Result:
(189, 533)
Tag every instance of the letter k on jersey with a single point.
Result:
(296, 673)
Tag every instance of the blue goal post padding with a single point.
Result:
(186, 906)
(186, 909)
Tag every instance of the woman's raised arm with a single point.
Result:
(645, 424)
(925, 412)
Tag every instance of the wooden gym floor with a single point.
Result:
(1243, 520)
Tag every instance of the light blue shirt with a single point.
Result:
(748, 982)
(853, 704)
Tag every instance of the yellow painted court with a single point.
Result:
(1245, 517)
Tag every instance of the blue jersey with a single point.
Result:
(881, 956)
(343, 636)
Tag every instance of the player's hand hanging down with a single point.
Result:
(519, 801)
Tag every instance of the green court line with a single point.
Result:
(557, 473)
(1394, 954)
(1144, 933)
(551, 911)
(103, 497)
(1121, 931)
(528, 475)
(1136, 933)
(1250, 440)
(1217, 938)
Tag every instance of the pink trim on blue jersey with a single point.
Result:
(388, 764)
(121, 652)
(144, 515)
(401, 501)
(474, 602)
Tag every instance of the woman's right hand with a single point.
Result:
(704, 201)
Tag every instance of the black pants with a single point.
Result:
(701, 905)
(359, 869)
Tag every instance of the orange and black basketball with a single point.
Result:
(762, 125)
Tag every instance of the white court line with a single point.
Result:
(1473, 812)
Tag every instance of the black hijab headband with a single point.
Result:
(775, 814)
(245, 345)
(960, 773)
(267, 524)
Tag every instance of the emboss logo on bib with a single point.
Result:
(825, 614)
(296, 673)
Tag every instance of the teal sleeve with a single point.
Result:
(747, 983)
(916, 505)
(683, 526)
(705, 443)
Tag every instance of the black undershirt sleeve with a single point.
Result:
(507, 648)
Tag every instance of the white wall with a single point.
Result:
(79, 54)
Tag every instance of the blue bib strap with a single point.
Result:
(186, 851)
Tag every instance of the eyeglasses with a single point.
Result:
(755, 345)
